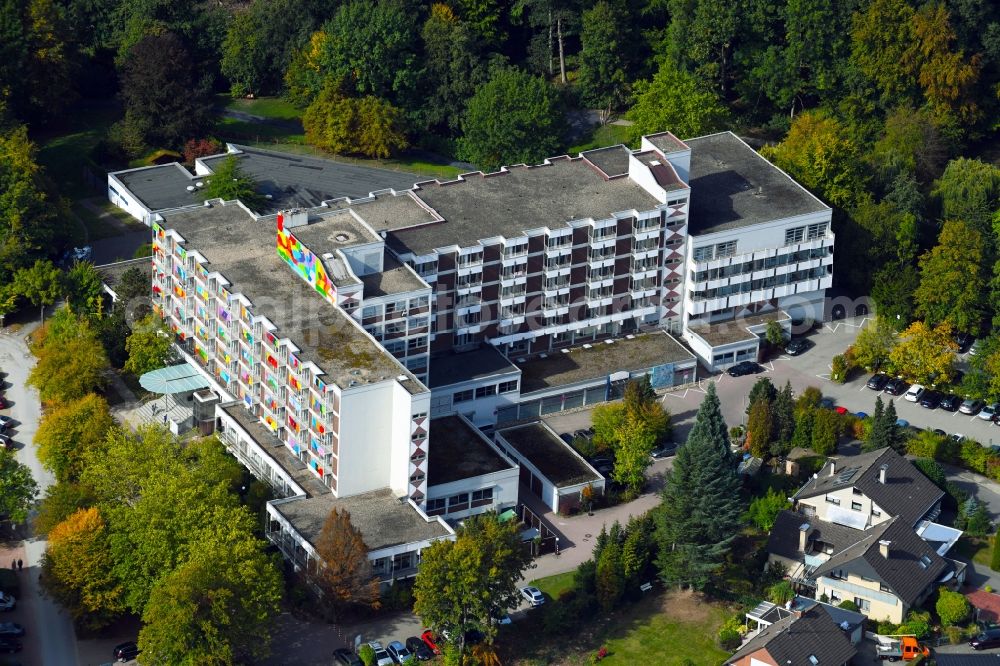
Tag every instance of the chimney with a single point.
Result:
(883, 548)
(833, 467)
(803, 537)
(881, 473)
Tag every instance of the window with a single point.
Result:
(426, 268)
(417, 343)
(417, 478)
(485, 391)
(468, 319)
(856, 491)
(462, 396)
(395, 307)
(925, 561)
(816, 231)
(507, 387)
(421, 302)
(435, 505)
(482, 497)
(605, 233)
(554, 242)
(876, 513)
(370, 311)
(562, 261)
(418, 456)
(855, 506)
(514, 271)
(418, 436)
(863, 604)
(832, 500)
(648, 224)
(456, 500)
(470, 280)
(703, 253)
(471, 259)
(512, 291)
(418, 322)
(795, 235)
(726, 249)
(516, 250)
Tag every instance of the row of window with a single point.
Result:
(761, 264)
(459, 502)
(806, 233)
(766, 283)
(396, 306)
(484, 392)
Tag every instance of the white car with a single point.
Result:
(7, 602)
(398, 652)
(914, 393)
(5, 422)
(382, 657)
(533, 595)
(988, 412)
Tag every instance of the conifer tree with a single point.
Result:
(877, 436)
(783, 413)
(702, 508)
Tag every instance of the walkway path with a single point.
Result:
(50, 638)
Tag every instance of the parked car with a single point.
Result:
(533, 595)
(796, 346)
(958, 437)
(931, 399)
(988, 411)
(566, 437)
(896, 386)
(398, 652)
(950, 402)
(10, 644)
(664, 450)
(986, 640)
(6, 442)
(939, 432)
(877, 381)
(971, 406)
(419, 649)
(11, 629)
(603, 464)
(861, 415)
(914, 393)
(7, 602)
(382, 657)
(345, 657)
(841, 410)
(125, 651)
(3, 402)
(974, 349)
(583, 434)
(826, 403)
(743, 368)
(430, 639)
(5, 422)
(902, 423)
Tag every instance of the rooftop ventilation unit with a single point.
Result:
(199, 184)
(190, 188)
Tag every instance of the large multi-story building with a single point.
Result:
(349, 329)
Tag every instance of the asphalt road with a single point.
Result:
(49, 638)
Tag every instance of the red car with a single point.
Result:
(430, 639)
(840, 410)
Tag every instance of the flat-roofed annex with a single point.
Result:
(242, 247)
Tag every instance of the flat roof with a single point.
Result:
(735, 330)
(112, 273)
(331, 231)
(600, 360)
(394, 278)
(459, 451)
(667, 142)
(304, 181)
(388, 211)
(522, 197)
(160, 187)
(613, 160)
(383, 519)
(454, 368)
(732, 186)
(277, 449)
(291, 180)
(552, 456)
(243, 249)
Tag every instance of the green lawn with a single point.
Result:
(66, 153)
(601, 137)
(978, 550)
(265, 107)
(662, 639)
(241, 131)
(554, 586)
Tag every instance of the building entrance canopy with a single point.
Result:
(175, 379)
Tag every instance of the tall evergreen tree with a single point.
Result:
(894, 437)
(702, 508)
(762, 389)
(783, 412)
(877, 436)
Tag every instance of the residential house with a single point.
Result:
(802, 638)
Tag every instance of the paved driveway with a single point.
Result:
(49, 635)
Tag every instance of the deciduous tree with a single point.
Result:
(455, 67)
(344, 573)
(41, 284)
(874, 343)
(149, 346)
(69, 431)
(17, 488)
(77, 569)
(347, 126)
(676, 101)
(925, 355)
(764, 510)
(952, 607)
(952, 283)
(969, 191)
(602, 63)
(83, 289)
(701, 510)
(513, 118)
(463, 584)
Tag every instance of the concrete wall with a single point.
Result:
(504, 484)
(882, 605)
(373, 429)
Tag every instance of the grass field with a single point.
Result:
(65, 153)
(266, 107)
(554, 586)
(978, 550)
(602, 136)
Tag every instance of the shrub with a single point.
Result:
(366, 654)
(952, 607)
(956, 635)
(780, 593)
(839, 369)
(195, 148)
(730, 634)
(847, 604)
(917, 623)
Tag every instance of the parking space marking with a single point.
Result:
(833, 329)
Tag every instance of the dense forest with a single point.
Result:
(887, 109)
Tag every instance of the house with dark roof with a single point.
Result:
(861, 530)
(865, 490)
(802, 638)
